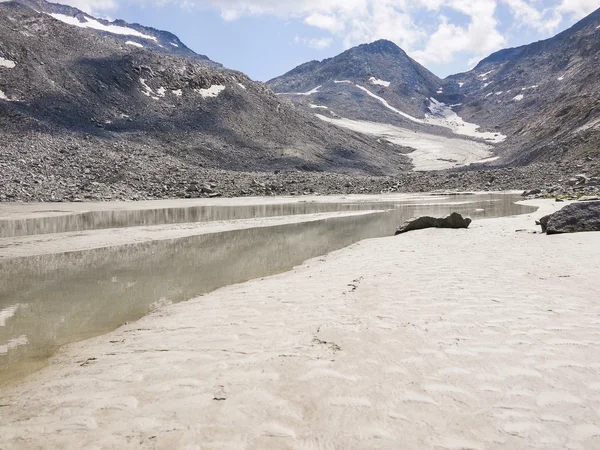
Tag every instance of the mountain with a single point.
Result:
(378, 90)
(75, 100)
(544, 96)
(133, 34)
(535, 103)
(346, 82)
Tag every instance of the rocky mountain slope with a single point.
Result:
(544, 96)
(78, 106)
(538, 102)
(378, 90)
(132, 34)
(355, 83)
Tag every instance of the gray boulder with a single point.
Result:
(454, 220)
(574, 218)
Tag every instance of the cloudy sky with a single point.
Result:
(266, 38)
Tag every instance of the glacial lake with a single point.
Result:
(48, 300)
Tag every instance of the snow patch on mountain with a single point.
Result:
(432, 152)
(177, 92)
(7, 63)
(135, 44)
(311, 92)
(519, 97)
(588, 126)
(212, 91)
(147, 90)
(318, 106)
(342, 81)
(443, 116)
(375, 81)
(5, 98)
(242, 86)
(92, 23)
(388, 106)
(484, 76)
(173, 44)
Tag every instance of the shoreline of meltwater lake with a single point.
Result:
(479, 338)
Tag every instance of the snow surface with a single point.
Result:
(483, 76)
(431, 152)
(388, 106)
(499, 93)
(342, 81)
(486, 85)
(135, 44)
(92, 23)
(177, 92)
(212, 91)
(443, 116)
(374, 80)
(440, 91)
(535, 86)
(147, 89)
(519, 97)
(461, 84)
(173, 44)
(7, 63)
(487, 160)
(311, 92)
(591, 124)
(561, 78)
(4, 97)
(318, 106)
(161, 91)
(242, 86)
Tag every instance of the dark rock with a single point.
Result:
(531, 192)
(574, 218)
(543, 222)
(454, 220)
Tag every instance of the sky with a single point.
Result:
(266, 38)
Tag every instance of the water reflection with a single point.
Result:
(47, 301)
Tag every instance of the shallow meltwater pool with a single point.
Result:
(54, 289)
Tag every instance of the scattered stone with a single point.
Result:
(454, 220)
(531, 192)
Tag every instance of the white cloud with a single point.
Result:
(316, 43)
(325, 22)
(578, 8)
(545, 20)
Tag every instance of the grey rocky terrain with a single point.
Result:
(80, 107)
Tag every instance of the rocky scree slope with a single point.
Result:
(78, 107)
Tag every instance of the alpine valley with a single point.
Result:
(96, 110)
